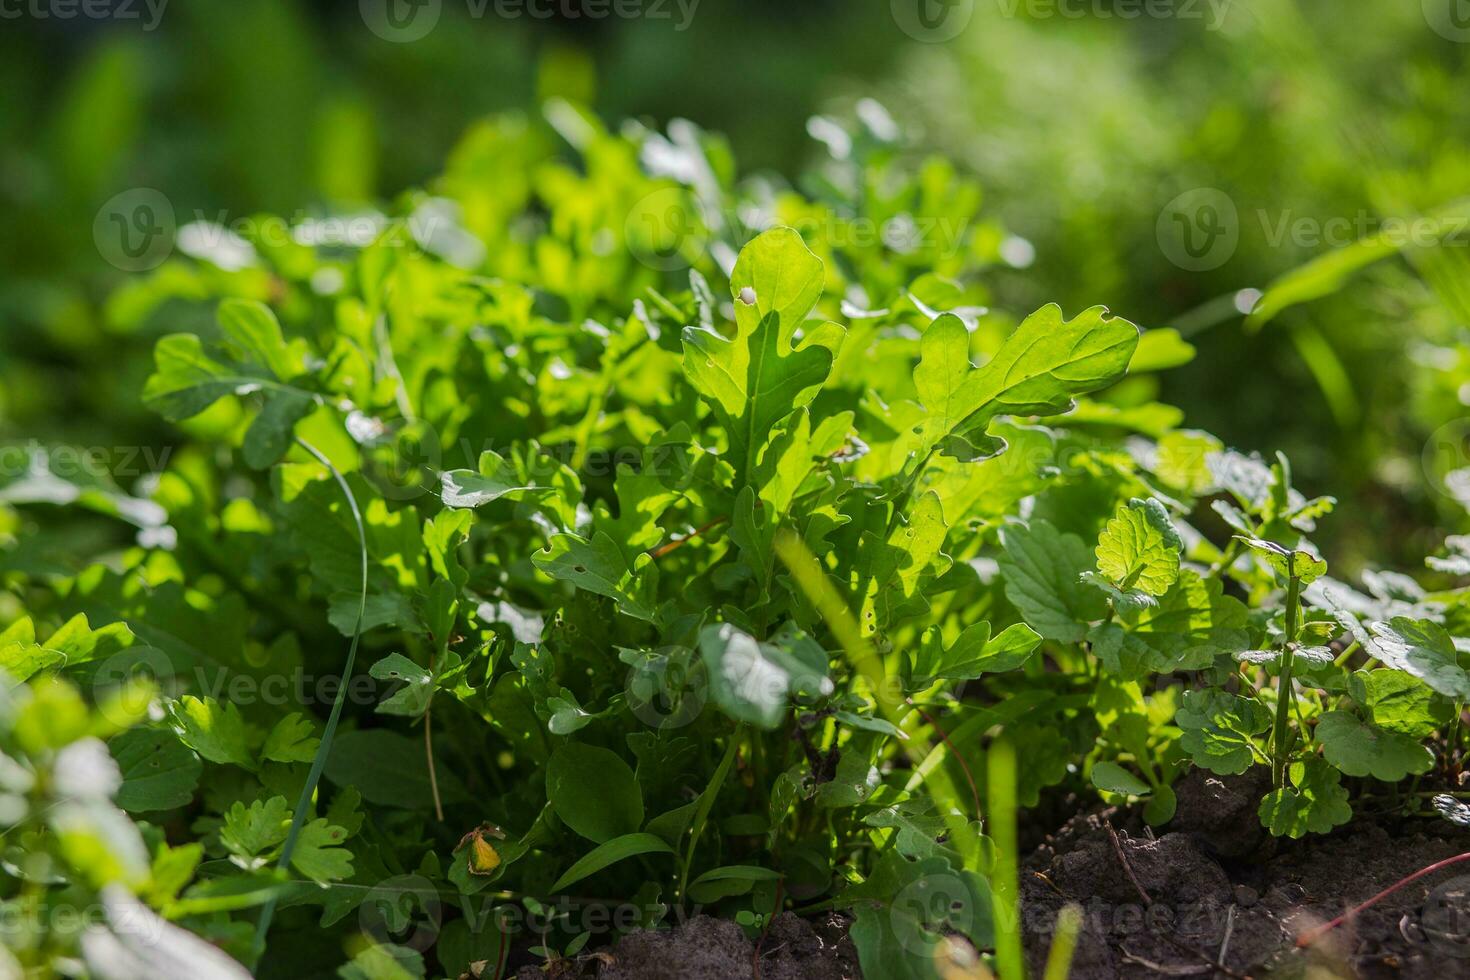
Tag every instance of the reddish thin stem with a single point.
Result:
(669, 546)
(1312, 935)
(944, 737)
(504, 957)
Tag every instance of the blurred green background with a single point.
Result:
(1310, 122)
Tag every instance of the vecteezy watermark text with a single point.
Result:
(137, 229)
(403, 21)
(937, 21)
(150, 12)
(1201, 229)
(1211, 12)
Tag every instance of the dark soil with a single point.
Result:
(1213, 895)
(705, 947)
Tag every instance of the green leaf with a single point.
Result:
(593, 792)
(462, 943)
(756, 682)
(855, 780)
(1314, 801)
(1287, 562)
(270, 434)
(186, 380)
(1039, 369)
(217, 732)
(1114, 778)
(1182, 458)
(390, 769)
(251, 834)
(917, 825)
(567, 715)
(318, 853)
(172, 869)
(293, 739)
(905, 908)
(1042, 568)
(159, 772)
(417, 690)
(384, 962)
(1160, 807)
(598, 565)
(760, 375)
(1139, 548)
(1189, 628)
(1361, 749)
(497, 477)
(730, 880)
(1160, 349)
(894, 567)
(74, 643)
(1399, 702)
(255, 333)
(1219, 727)
(973, 653)
(1306, 660)
(610, 852)
(1422, 649)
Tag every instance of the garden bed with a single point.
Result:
(1212, 894)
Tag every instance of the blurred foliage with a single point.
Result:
(1080, 123)
(1320, 124)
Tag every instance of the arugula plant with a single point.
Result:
(516, 571)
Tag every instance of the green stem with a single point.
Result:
(706, 803)
(1284, 696)
(1452, 745)
(314, 776)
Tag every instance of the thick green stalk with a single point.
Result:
(1284, 695)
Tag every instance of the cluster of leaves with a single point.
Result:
(507, 562)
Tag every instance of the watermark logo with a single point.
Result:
(404, 461)
(932, 21)
(136, 672)
(1450, 19)
(400, 21)
(667, 688)
(933, 906)
(404, 910)
(1199, 230)
(1446, 459)
(664, 232)
(1445, 919)
(134, 230)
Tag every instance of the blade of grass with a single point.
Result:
(706, 803)
(319, 761)
(1064, 942)
(823, 595)
(1005, 883)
